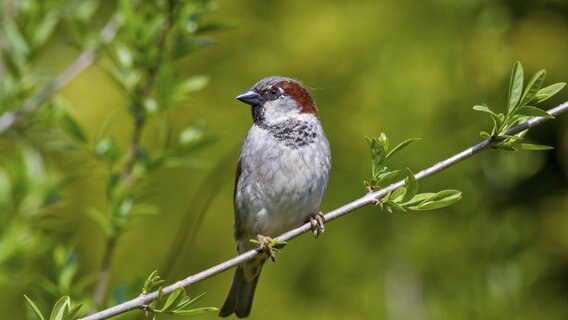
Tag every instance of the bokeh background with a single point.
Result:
(406, 68)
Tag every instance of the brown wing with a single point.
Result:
(237, 229)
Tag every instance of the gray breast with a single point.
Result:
(284, 176)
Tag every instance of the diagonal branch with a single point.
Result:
(86, 59)
(369, 198)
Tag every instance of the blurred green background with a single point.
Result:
(406, 68)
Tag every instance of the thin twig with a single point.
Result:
(369, 198)
(127, 181)
(104, 274)
(9, 119)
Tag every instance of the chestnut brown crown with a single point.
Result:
(276, 87)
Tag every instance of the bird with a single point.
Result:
(281, 178)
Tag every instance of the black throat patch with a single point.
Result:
(293, 134)
(258, 115)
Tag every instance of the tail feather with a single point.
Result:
(240, 296)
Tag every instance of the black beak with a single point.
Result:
(250, 97)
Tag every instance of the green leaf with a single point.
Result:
(400, 146)
(483, 108)
(439, 200)
(173, 91)
(152, 282)
(392, 205)
(124, 56)
(191, 312)
(203, 142)
(547, 92)
(498, 120)
(276, 244)
(515, 87)
(73, 311)
(69, 269)
(214, 27)
(484, 135)
(531, 147)
(65, 313)
(194, 83)
(17, 41)
(35, 309)
(418, 198)
(385, 179)
(522, 134)
(60, 308)
(384, 141)
(533, 112)
(173, 299)
(191, 134)
(72, 127)
(44, 30)
(185, 47)
(83, 10)
(160, 294)
(108, 150)
(411, 186)
(444, 194)
(378, 156)
(505, 147)
(101, 220)
(397, 194)
(510, 138)
(150, 106)
(533, 86)
(192, 302)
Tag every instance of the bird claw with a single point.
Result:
(266, 246)
(317, 224)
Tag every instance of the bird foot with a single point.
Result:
(317, 222)
(266, 246)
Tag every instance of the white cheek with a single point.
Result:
(280, 109)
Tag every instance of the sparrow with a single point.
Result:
(281, 178)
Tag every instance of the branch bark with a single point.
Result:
(86, 59)
(369, 198)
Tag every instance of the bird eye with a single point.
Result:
(273, 93)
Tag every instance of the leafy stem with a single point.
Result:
(405, 197)
(177, 302)
(140, 94)
(521, 105)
